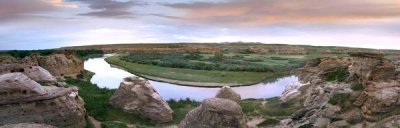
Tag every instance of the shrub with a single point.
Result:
(339, 75)
(339, 99)
(306, 126)
(357, 87)
(112, 124)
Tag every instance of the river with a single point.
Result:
(110, 77)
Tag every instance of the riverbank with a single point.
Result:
(190, 77)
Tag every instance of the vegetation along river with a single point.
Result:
(110, 77)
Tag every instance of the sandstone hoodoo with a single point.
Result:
(215, 113)
(227, 93)
(136, 95)
(22, 100)
(367, 98)
(223, 111)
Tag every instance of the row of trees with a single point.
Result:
(24, 53)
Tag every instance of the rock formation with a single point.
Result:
(227, 93)
(22, 100)
(368, 66)
(59, 64)
(35, 73)
(215, 113)
(138, 96)
(223, 111)
(7, 59)
(65, 64)
(374, 103)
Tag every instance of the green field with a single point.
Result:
(190, 75)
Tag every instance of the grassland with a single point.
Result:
(194, 77)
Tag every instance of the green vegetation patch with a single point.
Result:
(339, 99)
(340, 75)
(194, 75)
(217, 61)
(271, 107)
(181, 108)
(357, 87)
(268, 122)
(112, 124)
(306, 126)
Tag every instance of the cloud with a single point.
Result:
(110, 8)
(29, 9)
(16, 7)
(263, 12)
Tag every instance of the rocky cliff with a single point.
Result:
(59, 64)
(22, 100)
(367, 98)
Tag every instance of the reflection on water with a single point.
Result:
(110, 77)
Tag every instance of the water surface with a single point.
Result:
(110, 77)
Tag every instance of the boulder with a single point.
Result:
(61, 64)
(137, 95)
(22, 100)
(291, 91)
(339, 124)
(215, 113)
(322, 122)
(227, 93)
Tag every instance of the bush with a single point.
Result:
(181, 108)
(306, 126)
(339, 99)
(339, 75)
(112, 124)
(357, 87)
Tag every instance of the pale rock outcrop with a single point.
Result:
(61, 64)
(5, 58)
(227, 93)
(374, 105)
(137, 95)
(22, 100)
(35, 73)
(370, 66)
(291, 91)
(331, 64)
(215, 113)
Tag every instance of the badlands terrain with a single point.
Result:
(337, 87)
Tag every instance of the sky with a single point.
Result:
(43, 24)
